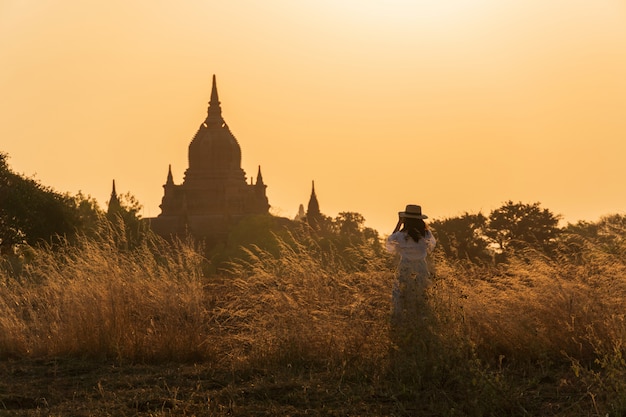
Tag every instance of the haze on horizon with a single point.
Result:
(457, 105)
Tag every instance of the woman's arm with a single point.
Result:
(398, 226)
(430, 240)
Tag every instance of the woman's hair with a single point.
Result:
(416, 228)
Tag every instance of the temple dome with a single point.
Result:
(214, 149)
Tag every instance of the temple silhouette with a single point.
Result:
(214, 194)
(313, 214)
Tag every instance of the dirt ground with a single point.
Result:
(79, 388)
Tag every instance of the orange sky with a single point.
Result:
(456, 105)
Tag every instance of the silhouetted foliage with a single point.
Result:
(607, 234)
(349, 228)
(124, 215)
(463, 237)
(355, 243)
(252, 231)
(517, 225)
(31, 213)
(343, 240)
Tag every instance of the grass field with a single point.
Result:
(89, 329)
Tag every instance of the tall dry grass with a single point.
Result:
(304, 309)
(94, 299)
(537, 307)
(154, 303)
(307, 306)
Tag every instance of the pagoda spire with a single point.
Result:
(313, 214)
(301, 214)
(170, 178)
(313, 208)
(214, 112)
(259, 177)
(114, 202)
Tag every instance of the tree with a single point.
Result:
(89, 213)
(517, 225)
(343, 240)
(348, 229)
(349, 223)
(123, 214)
(31, 213)
(609, 233)
(463, 237)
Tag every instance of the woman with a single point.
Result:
(412, 241)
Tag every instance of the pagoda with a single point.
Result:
(214, 194)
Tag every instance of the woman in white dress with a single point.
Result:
(411, 241)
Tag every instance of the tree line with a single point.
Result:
(31, 214)
(507, 229)
(516, 227)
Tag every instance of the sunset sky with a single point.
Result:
(457, 105)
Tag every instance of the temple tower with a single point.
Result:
(214, 194)
(313, 214)
(114, 207)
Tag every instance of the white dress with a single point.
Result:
(412, 276)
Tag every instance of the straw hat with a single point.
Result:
(413, 212)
